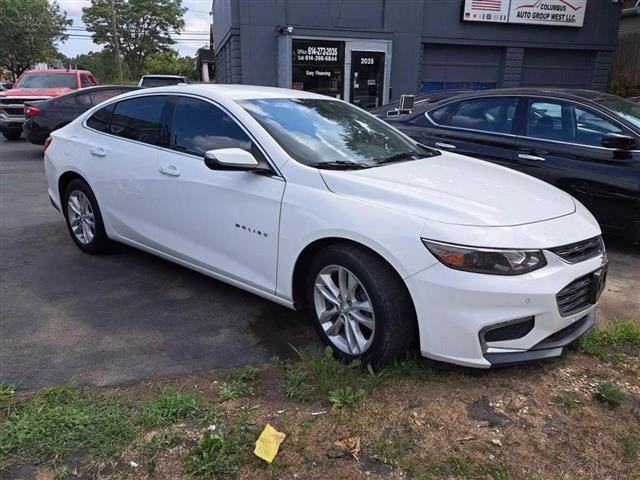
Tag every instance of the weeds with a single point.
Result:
(240, 384)
(629, 445)
(610, 394)
(346, 396)
(296, 384)
(568, 401)
(7, 391)
(172, 406)
(220, 454)
(60, 419)
(392, 449)
(612, 342)
(151, 450)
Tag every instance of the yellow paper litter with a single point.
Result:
(268, 443)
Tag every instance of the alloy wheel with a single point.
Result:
(81, 218)
(344, 310)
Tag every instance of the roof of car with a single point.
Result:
(237, 92)
(162, 76)
(56, 70)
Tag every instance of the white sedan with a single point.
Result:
(315, 204)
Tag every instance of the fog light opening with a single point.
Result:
(503, 331)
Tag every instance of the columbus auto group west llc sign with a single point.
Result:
(566, 13)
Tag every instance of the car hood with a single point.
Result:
(455, 189)
(34, 92)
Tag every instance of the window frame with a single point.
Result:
(515, 126)
(173, 96)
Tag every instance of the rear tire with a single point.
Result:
(12, 135)
(84, 220)
(366, 310)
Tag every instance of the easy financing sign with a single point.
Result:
(562, 13)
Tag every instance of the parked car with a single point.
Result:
(149, 81)
(311, 202)
(36, 85)
(44, 117)
(584, 142)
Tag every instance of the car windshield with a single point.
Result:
(160, 82)
(623, 108)
(48, 80)
(332, 133)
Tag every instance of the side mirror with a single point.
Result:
(230, 159)
(618, 141)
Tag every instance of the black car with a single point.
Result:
(44, 117)
(584, 142)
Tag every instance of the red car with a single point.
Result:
(35, 85)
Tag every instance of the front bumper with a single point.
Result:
(455, 307)
(34, 133)
(10, 123)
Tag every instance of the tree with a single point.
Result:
(143, 27)
(29, 30)
(171, 63)
(102, 64)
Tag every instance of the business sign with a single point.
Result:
(317, 52)
(565, 13)
(496, 11)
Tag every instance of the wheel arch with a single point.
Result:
(303, 262)
(65, 179)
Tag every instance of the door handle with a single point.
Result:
(533, 158)
(448, 146)
(98, 152)
(170, 170)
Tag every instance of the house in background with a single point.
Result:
(626, 61)
(372, 51)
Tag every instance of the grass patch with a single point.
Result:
(296, 383)
(392, 449)
(151, 450)
(610, 394)
(7, 391)
(219, 454)
(173, 405)
(568, 401)
(612, 342)
(60, 419)
(629, 445)
(239, 384)
(456, 467)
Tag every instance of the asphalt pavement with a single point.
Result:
(115, 318)
(128, 315)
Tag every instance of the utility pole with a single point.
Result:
(115, 39)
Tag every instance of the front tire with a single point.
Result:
(359, 305)
(84, 220)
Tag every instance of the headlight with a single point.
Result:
(486, 260)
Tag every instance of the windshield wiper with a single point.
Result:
(339, 165)
(400, 157)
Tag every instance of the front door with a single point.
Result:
(562, 144)
(224, 221)
(367, 78)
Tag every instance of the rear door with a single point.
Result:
(124, 156)
(562, 144)
(478, 127)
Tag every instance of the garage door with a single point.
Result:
(543, 67)
(446, 67)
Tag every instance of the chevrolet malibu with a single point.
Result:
(317, 205)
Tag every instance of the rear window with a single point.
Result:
(48, 80)
(101, 119)
(140, 119)
(160, 82)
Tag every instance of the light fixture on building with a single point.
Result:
(285, 30)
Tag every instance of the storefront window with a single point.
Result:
(318, 66)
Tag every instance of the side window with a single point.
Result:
(439, 115)
(565, 122)
(84, 81)
(84, 99)
(200, 126)
(486, 114)
(550, 120)
(591, 127)
(102, 95)
(140, 119)
(100, 120)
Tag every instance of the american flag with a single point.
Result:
(488, 5)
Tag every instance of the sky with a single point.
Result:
(195, 35)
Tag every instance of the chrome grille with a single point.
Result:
(575, 296)
(15, 105)
(580, 251)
